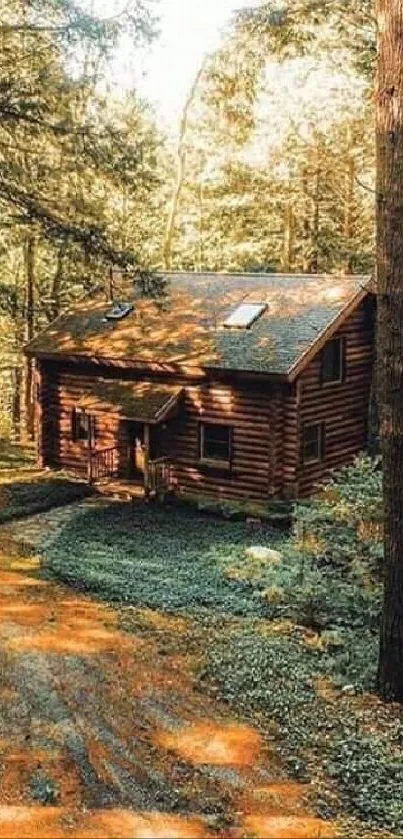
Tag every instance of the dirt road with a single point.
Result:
(103, 734)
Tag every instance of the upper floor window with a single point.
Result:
(82, 426)
(216, 443)
(333, 355)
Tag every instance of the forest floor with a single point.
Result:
(115, 718)
(104, 732)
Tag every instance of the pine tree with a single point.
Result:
(390, 329)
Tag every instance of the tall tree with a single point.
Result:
(390, 330)
(67, 156)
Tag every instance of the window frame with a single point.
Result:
(321, 432)
(342, 362)
(208, 460)
(89, 427)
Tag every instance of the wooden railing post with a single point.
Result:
(89, 468)
(146, 460)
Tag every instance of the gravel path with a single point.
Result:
(103, 735)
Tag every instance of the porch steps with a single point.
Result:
(120, 490)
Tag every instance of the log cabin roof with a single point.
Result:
(142, 401)
(185, 327)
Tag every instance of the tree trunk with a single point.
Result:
(180, 171)
(349, 204)
(17, 400)
(288, 243)
(57, 282)
(390, 332)
(200, 259)
(29, 334)
(314, 263)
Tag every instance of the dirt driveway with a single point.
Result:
(104, 734)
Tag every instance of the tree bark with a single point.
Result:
(180, 170)
(349, 203)
(390, 332)
(314, 262)
(289, 235)
(29, 334)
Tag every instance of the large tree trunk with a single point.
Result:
(390, 331)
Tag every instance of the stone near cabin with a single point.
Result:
(262, 554)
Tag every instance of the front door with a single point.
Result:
(136, 451)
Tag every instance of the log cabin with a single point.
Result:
(240, 388)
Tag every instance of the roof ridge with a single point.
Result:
(256, 275)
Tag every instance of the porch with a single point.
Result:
(128, 436)
(106, 473)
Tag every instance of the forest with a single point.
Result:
(271, 167)
(255, 670)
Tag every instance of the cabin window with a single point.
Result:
(333, 361)
(313, 442)
(215, 443)
(82, 426)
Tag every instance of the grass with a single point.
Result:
(285, 643)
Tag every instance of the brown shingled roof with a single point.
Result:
(142, 401)
(186, 327)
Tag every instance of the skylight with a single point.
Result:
(245, 315)
(119, 311)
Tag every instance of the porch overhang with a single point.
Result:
(147, 402)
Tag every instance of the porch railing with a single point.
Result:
(159, 476)
(103, 463)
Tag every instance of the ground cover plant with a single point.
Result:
(171, 559)
(14, 456)
(25, 494)
(288, 637)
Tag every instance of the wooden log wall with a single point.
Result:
(252, 413)
(253, 410)
(343, 408)
(267, 421)
(290, 453)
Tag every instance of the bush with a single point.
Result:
(342, 526)
(299, 589)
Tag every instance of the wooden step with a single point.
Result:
(120, 489)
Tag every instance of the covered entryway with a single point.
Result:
(141, 409)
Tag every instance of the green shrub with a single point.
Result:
(342, 526)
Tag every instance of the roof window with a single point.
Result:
(245, 315)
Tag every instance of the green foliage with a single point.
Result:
(26, 496)
(170, 559)
(291, 638)
(346, 28)
(353, 770)
(44, 789)
(78, 176)
(287, 188)
(13, 456)
(342, 527)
